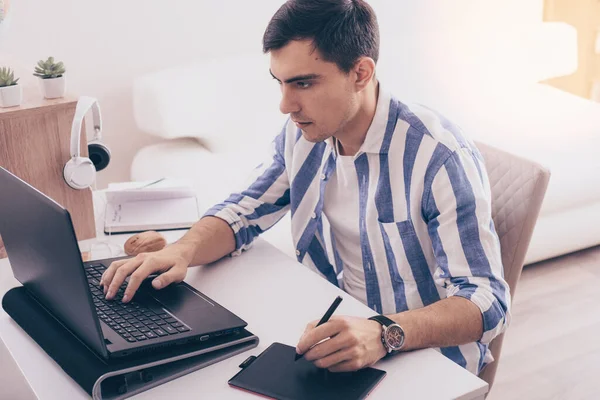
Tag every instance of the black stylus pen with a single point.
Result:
(326, 317)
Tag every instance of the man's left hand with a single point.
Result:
(355, 343)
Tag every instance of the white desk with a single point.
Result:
(277, 297)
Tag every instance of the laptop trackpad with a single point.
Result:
(180, 298)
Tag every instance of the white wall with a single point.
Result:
(106, 43)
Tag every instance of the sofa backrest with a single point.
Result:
(230, 104)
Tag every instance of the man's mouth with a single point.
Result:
(298, 123)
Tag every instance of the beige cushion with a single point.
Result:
(518, 187)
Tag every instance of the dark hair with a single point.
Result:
(342, 30)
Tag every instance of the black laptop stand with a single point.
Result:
(116, 378)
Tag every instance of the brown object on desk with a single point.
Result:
(34, 145)
(86, 255)
(145, 242)
(2, 250)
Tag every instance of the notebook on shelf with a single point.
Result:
(155, 205)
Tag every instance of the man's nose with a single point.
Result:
(288, 103)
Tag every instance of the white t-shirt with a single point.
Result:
(341, 207)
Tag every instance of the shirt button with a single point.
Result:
(297, 252)
(314, 215)
(323, 177)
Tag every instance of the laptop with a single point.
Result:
(44, 255)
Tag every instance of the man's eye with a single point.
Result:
(303, 85)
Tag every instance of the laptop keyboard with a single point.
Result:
(134, 322)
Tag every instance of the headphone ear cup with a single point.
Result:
(79, 173)
(99, 154)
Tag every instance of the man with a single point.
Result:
(405, 194)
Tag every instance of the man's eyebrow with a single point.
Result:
(297, 78)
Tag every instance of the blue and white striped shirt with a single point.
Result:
(426, 231)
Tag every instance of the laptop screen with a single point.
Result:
(44, 255)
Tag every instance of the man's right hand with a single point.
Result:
(171, 263)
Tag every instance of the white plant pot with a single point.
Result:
(11, 96)
(53, 88)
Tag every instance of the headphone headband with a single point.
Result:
(83, 105)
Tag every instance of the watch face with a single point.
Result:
(394, 337)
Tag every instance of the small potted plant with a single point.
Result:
(52, 78)
(11, 94)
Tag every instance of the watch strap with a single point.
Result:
(383, 320)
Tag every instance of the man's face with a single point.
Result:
(319, 97)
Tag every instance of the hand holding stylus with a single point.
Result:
(326, 317)
(341, 343)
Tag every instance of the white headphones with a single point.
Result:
(80, 172)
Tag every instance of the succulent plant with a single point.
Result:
(49, 69)
(7, 77)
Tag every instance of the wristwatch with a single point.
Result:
(392, 334)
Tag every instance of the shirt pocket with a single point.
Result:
(405, 247)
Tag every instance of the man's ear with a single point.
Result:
(364, 71)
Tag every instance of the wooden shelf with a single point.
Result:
(34, 145)
(34, 102)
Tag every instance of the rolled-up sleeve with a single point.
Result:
(457, 209)
(264, 202)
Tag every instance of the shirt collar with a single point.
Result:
(376, 132)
